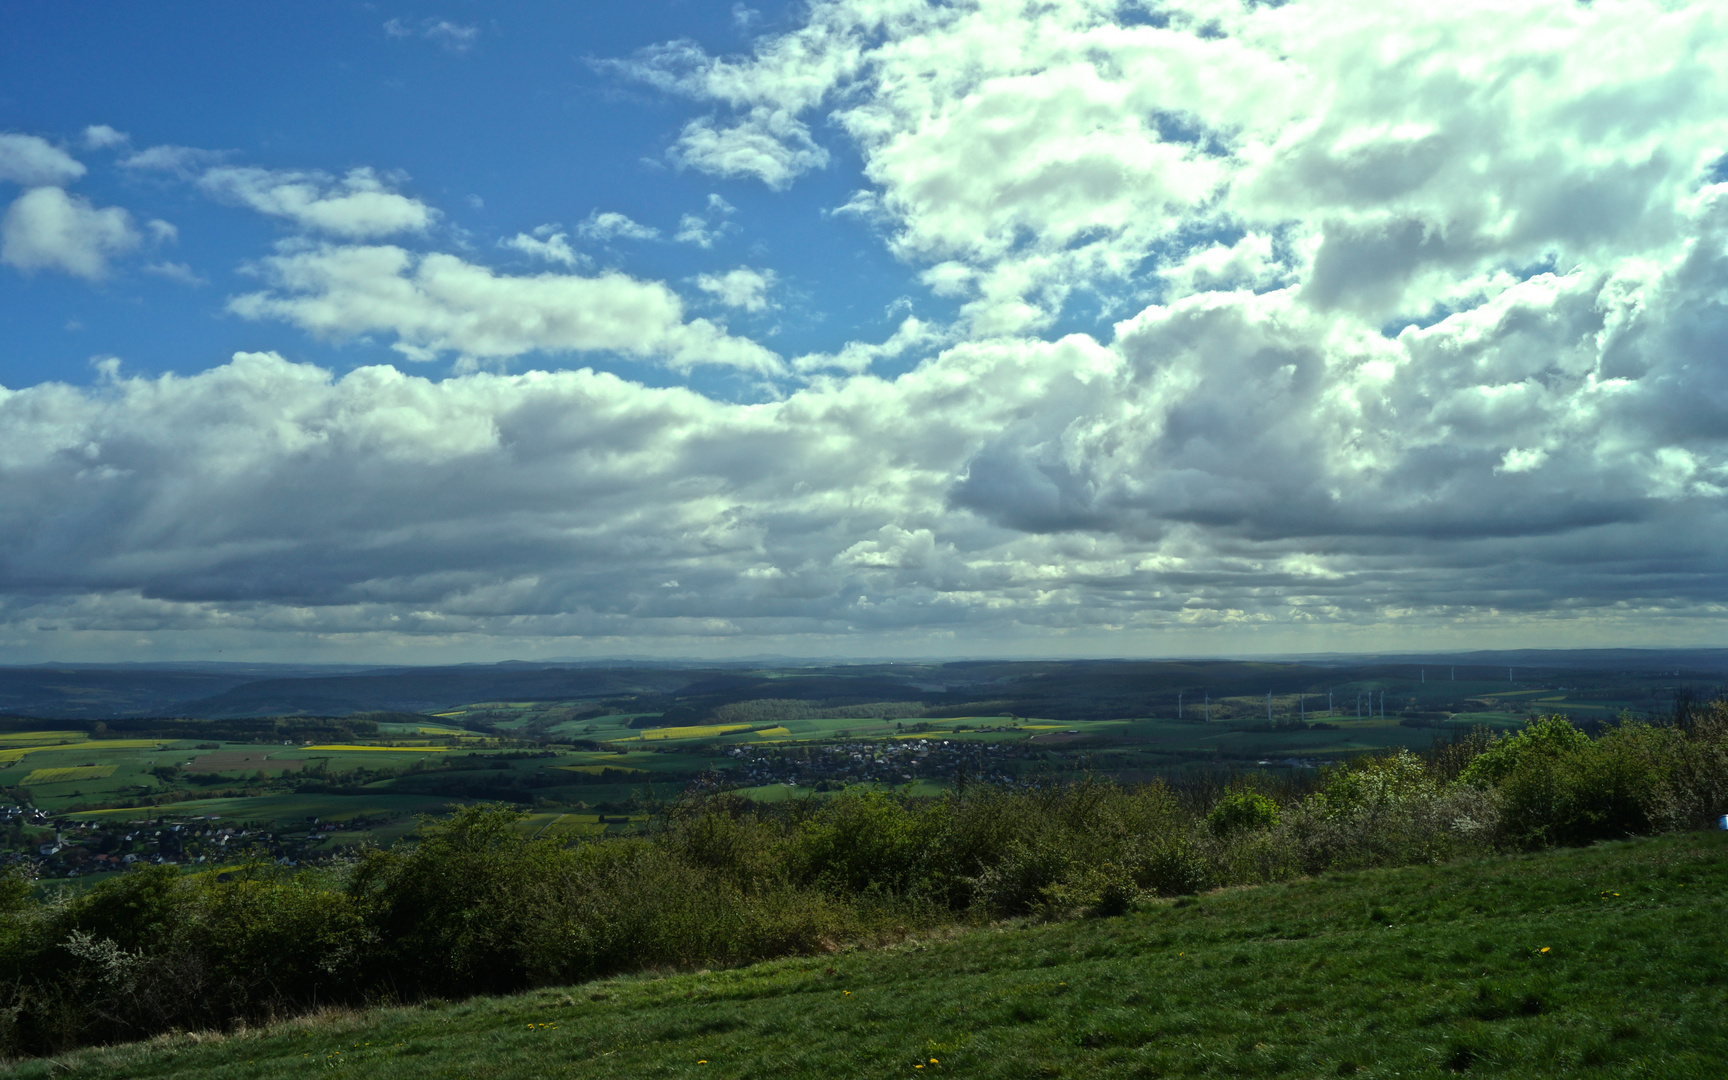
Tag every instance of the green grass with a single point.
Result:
(1607, 961)
(779, 793)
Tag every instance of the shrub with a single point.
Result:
(1021, 881)
(1545, 738)
(1172, 869)
(1378, 783)
(1245, 811)
(860, 842)
(1575, 792)
(157, 949)
(1697, 767)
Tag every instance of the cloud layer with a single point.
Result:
(1403, 323)
(439, 303)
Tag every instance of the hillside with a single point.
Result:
(1610, 960)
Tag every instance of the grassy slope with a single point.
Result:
(1383, 973)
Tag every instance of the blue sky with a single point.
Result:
(503, 120)
(861, 328)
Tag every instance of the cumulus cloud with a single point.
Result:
(703, 229)
(1044, 150)
(741, 288)
(103, 137)
(33, 161)
(769, 145)
(1418, 332)
(47, 229)
(547, 244)
(439, 303)
(359, 206)
(854, 357)
(1228, 460)
(612, 225)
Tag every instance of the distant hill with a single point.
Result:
(426, 690)
(1058, 689)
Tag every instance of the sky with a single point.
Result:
(411, 333)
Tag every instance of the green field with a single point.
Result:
(413, 767)
(584, 757)
(282, 811)
(1609, 961)
(778, 793)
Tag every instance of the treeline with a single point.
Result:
(244, 729)
(780, 710)
(475, 907)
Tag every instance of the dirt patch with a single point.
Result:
(243, 761)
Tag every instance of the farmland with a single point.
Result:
(319, 785)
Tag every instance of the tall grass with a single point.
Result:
(473, 907)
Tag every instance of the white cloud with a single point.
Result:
(359, 206)
(454, 37)
(1254, 449)
(103, 137)
(612, 225)
(856, 357)
(1051, 149)
(174, 271)
(47, 229)
(438, 303)
(546, 243)
(769, 145)
(741, 288)
(1228, 456)
(181, 160)
(32, 161)
(693, 229)
(1517, 460)
(703, 229)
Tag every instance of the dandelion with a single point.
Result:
(933, 1061)
(704, 1061)
(1544, 948)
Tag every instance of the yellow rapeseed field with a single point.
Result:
(701, 731)
(71, 772)
(387, 749)
(9, 755)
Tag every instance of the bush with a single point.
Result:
(1378, 783)
(861, 842)
(157, 949)
(1546, 738)
(1556, 785)
(1245, 811)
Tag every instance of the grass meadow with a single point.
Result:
(1610, 961)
